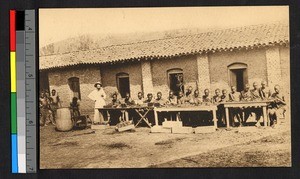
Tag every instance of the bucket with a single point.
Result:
(63, 120)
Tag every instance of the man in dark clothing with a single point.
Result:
(196, 99)
(149, 98)
(224, 96)
(237, 112)
(217, 96)
(189, 94)
(264, 91)
(140, 100)
(180, 99)
(159, 100)
(216, 100)
(45, 110)
(256, 97)
(114, 114)
(54, 103)
(206, 97)
(172, 99)
(246, 96)
(127, 100)
(277, 107)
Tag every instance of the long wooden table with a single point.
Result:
(240, 104)
(212, 108)
(124, 111)
(142, 111)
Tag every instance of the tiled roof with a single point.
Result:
(220, 40)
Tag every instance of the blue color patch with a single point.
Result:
(14, 153)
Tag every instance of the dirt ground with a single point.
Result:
(106, 148)
(272, 151)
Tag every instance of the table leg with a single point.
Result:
(265, 115)
(138, 120)
(156, 117)
(143, 117)
(126, 116)
(177, 116)
(215, 118)
(123, 115)
(268, 118)
(227, 117)
(108, 116)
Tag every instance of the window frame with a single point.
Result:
(122, 75)
(71, 82)
(174, 71)
(237, 66)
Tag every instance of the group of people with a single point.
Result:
(49, 103)
(276, 106)
(188, 98)
(262, 93)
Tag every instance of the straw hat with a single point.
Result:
(95, 85)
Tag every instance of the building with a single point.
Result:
(217, 59)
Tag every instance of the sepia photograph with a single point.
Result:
(164, 87)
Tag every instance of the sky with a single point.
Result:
(59, 24)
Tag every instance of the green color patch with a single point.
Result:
(13, 112)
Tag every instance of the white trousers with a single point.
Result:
(98, 117)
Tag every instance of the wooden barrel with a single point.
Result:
(63, 119)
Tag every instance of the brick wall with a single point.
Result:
(147, 77)
(203, 72)
(160, 76)
(219, 61)
(88, 75)
(109, 80)
(210, 70)
(273, 66)
(285, 70)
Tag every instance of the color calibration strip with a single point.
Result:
(23, 99)
(13, 95)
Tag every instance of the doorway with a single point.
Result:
(238, 75)
(74, 87)
(123, 84)
(176, 80)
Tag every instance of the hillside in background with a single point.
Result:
(89, 42)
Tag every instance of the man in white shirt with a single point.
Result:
(98, 96)
(140, 100)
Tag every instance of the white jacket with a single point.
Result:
(98, 96)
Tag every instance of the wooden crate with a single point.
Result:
(160, 129)
(182, 130)
(126, 128)
(171, 124)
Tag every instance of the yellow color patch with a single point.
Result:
(13, 72)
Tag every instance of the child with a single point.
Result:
(74, 106)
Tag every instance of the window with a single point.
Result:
(123, 84)
(238, 75)
(175, 77)
(74, 87)
(44, 82)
